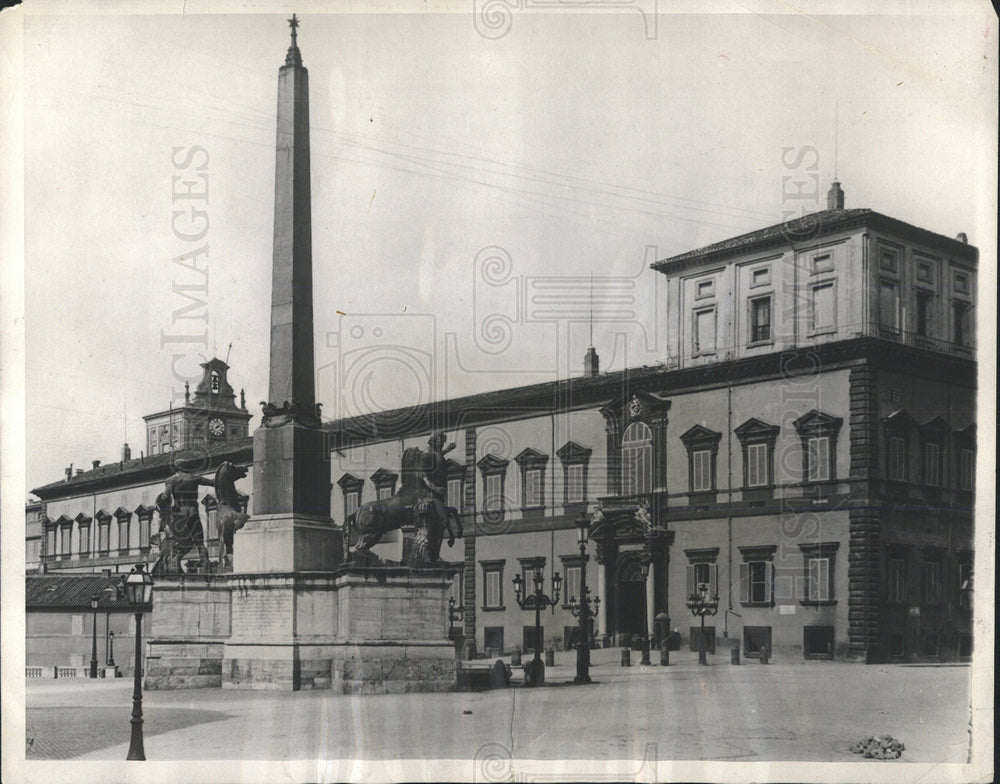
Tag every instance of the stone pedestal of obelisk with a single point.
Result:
(282, 591)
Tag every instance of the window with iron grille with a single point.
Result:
(760, 319)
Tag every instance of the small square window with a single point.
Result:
(705, 288)
(822, 263)
(925, 271)
(760, 277)
(888, 261)
(961, 283)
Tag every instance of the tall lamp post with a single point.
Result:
(644, 562)
(582, 610)
(701, 604)
(139, 590)
(94, 601)
(111, 648)
(538, 601)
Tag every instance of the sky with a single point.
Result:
(486, 201)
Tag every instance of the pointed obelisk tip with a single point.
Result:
(293, 57)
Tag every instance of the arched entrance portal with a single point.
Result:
(630, 597)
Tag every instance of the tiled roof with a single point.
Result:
(813, 225)
(72, 591)
(151, 467)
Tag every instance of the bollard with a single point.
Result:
(763, 654)
(736, 654)
(550, 657)
(626, 657)
(664, 656)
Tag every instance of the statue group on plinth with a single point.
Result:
(420, 502)
(180, 529)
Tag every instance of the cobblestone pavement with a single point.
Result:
(798, 711)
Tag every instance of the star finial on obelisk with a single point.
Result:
(293, 57)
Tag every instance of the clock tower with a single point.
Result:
(210, 416)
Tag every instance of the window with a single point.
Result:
(637, 459)
(574, 483)
(123, 533)
(758, 439)
(493, 639)
(818, 459)
(818, 579)
(931, 593)
(888, 306)
(932, 464)
(532, 465)
(575, 462)
(760, 320)
(103, 536)
(571, 583)
(144, 526)
(164, 439)
(824, 310)
(966, 469)
(84, 537)
(350, 486)
(385, 483)
(702, 446)
(494, 472)
(154, 440)
(384, 492)
(215, 381)
(702, 571)
(896, 459)
(924, 313)
(960, 323)
(701, 467)
(817, 642)
(65, 540)
(51, 535)
(888, 260)
(705, 288)
(704, 332)
(492, 584)
(755, 638)
(822, 263)
(760, 277)
(494, 493)
(757, 575)
(818, 433)
(457, 583)
(455, 494)
(932, 642)
(961, 283)
(897, 579)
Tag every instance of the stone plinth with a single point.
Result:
(357, 630)
(187, 630)
(393, 631)
(282, 543)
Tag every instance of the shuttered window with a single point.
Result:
(756, 578)
(702, 574)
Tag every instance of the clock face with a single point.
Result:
(216, 427)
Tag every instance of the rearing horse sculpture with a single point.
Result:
(411, 504)
(229, 515)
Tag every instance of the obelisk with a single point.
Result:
(290, 529)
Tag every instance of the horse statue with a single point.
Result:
(229, 512)
(413, 503)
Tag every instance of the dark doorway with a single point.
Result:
(632, 610)
(530, 639)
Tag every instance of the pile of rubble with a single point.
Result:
(882, 747)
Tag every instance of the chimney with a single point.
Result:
(591, 363)
(126, 453)
(963, 238)
(835, 197)
(79, 471)
(69, 472)
(96, 464)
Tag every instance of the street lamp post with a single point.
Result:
(111, 648)
(701, 604)
(582, 610)
(94, 600)
(644, 568)
(454, 614)
(538, 601)
(139, 590)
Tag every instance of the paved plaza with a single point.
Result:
(809, 711)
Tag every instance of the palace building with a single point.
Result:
(805, 451)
